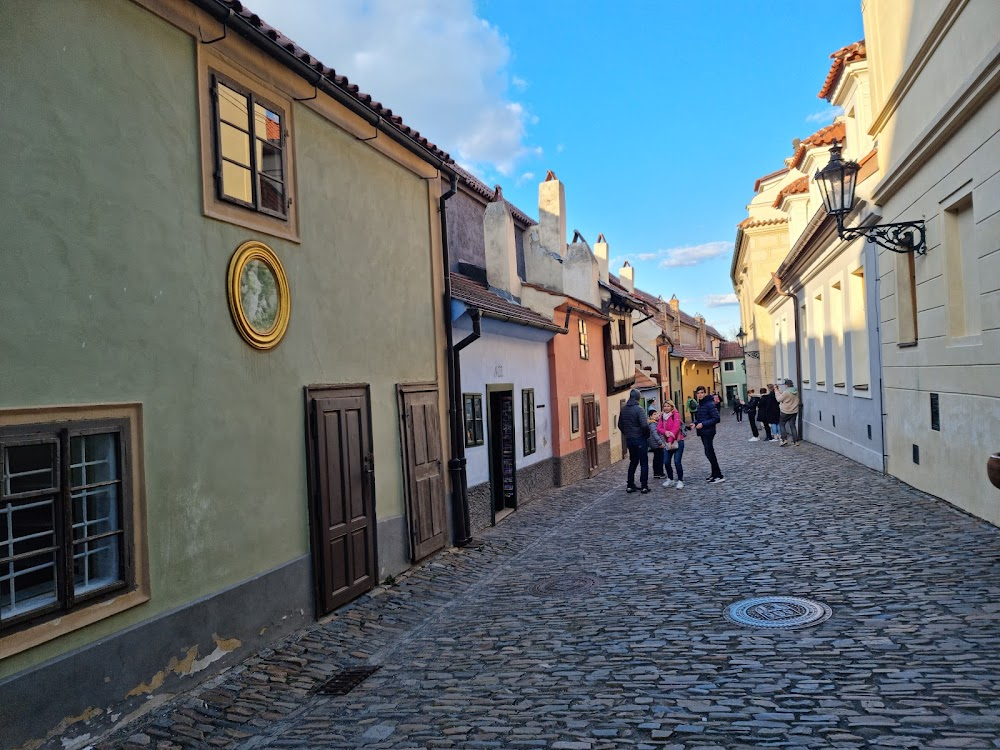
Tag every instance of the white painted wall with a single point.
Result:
(498, 357)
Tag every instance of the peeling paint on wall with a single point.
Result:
(61, 728)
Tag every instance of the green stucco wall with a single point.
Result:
(736, 376)
(113, 289)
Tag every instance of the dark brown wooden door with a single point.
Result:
(503, 452)
(590, 433)
(424, 469)
(342, 491)
(621, 433)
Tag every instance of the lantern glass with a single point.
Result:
(837, 182)
(741, 337)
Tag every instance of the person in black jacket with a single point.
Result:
(635, 428)
(767, 412)
(705, 419)
(751, 410)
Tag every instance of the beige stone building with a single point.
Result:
(935, 73)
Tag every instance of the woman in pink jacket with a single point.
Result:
(671, 426)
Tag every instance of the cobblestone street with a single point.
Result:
(594, 619)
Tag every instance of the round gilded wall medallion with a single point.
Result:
(258, 295)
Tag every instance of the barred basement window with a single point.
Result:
(584, 345)
(473, 403)
(65, 518)
(528, 421)
(249, 149)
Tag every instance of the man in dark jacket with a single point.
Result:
(751, 409)
(635, 427)
(705, 419)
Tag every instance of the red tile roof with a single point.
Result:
(777, 173)
(341, 82)
(642, 380)
(822, 137)
(478, 186)
(730, 350)
(692, 352)
(795, 187)
(493, 306)
(841, 59)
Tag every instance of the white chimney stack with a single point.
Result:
(501, 249)
(552, 214)
(627, 277)
(601, 253)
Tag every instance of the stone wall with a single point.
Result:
(573, 467)
(531, 481)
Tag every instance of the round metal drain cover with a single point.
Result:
(777, 612)
(565, 585)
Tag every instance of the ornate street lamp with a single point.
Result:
(837, 182)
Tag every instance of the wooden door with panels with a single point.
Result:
(341, 469)
(590, 432)
(423, 468)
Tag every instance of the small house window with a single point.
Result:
(574, 419)
(65, 510)
(249, 149)
(528, 421)
(727, 366)
(584, 344)
(597, 412)
(622, 332)
(473, 419)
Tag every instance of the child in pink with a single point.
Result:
(671, 426)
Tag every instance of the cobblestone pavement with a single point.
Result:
(594, 619)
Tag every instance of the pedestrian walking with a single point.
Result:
(656, 443)
(767, 412)
(634, 426)
(788, 405)
(671, 425)
(692, 406)
(706, 418)
(751, 410)
(738, 408)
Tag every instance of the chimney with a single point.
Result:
(552, 214)
(627, 277)
(601, 253)
(501, 251)
(702, 333)
(675, 310)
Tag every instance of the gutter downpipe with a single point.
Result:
(459, 478)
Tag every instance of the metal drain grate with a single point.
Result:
(774, 612)
(565, 585)
(345, 681)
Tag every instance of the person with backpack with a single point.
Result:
(751, 410)
(692, 406)
(706, 418)
(635, 429)
(671, 426)
(767, 412)
(656, 443)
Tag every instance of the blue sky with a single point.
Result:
(657, 116)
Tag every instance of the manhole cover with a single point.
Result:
(777, 612)
(564, 585)
(345, 681)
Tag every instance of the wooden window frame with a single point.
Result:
(728, 366)
(62, 423)
(475, 421)
(574, 416)
(528, 444)
(584, 339)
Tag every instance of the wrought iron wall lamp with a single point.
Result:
(837, 182)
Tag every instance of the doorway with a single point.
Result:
(590, 432)
(503, 456)
(731, 393)
(341, 478)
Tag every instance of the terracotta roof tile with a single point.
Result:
(693, 352)
(841, 59)
(750, 223)
(822, 137)
(795, 187)
(478, 186)
(334, 78)
(777, 173)
(478, 295)
(730, 350)
(642, 380)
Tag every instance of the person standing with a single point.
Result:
(738, 408)
(656, 443)
(632, 422)
(767, 412)
(706, 418)
(788, 405)
(692, 405)
(751, 410)
(672, 428)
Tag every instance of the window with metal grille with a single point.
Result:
(249, 149)
(528, 420)
(65, 508)
(473, 403)
(584, 345)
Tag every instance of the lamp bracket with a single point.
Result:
(753, 355)
(901, 237)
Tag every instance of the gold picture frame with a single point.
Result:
(259, 298)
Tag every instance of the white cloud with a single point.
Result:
(433, 62)
(825, 116)
(525, 178)
(647, 256)
(519, 83)
(693, 255)
(721, 300)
